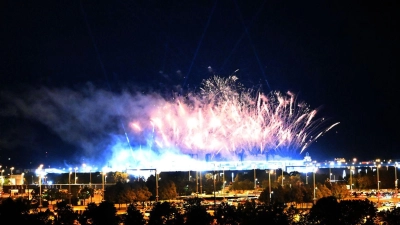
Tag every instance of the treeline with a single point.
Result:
(327, 211)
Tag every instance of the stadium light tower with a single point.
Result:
(255, 178)
(40, 184)
(75, 173)
(104, 174)
(377, 173)
(352, 168)
(395, 177)
(269, 185)
(157, 175)
(69, 185)
(314, 172)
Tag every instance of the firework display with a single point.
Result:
(227, 120)
(222, 122)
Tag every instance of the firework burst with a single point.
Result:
(227, 119)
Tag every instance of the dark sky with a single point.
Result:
(343, 56)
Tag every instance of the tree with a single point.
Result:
(279, 195)
(104, 214)
(357, 211)
(15, 211)
(250, 214)
(322, 191)
(167, 189)
(52, 194)
(197, 214)
(247, 213)
(151, 185)
(328, 211)
(363, 181)
(120, 193)
(88, 215)
(141, 191)
(340, 191)
(388, 217)
(325, 211)
(121, 177)
(294, 179)
(65, 213)
(241, 184)
(226, 214)
(85, 193)
(264, 196)
(296, 194)
(46, 218)
(134, 216)
(111, 192)
(164, 213)
(126, 195)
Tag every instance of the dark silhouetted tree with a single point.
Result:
(325, 211)
(328, 211)
(104, 214)
(197, 214)
(14, 212)
(226, 214)
(164, 213)
(134, 216)
(65, 213)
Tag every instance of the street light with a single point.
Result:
(40, 190)
(223, 180)
(90, 176)
(75, 173)
(197, 183)
(40, 184)
(22, 178)
(269, 185)
(351, 177)
(69, 186)
(12, 168)
(306, 175)
(395, 177)
(157, 174)
(377, 173)
(215, 200)
(103, 183)
(255, 179)
(352, 169)
(1, 179)
(314, 172)
(201, 183)
(85, 169)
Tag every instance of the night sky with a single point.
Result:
(340, 56)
